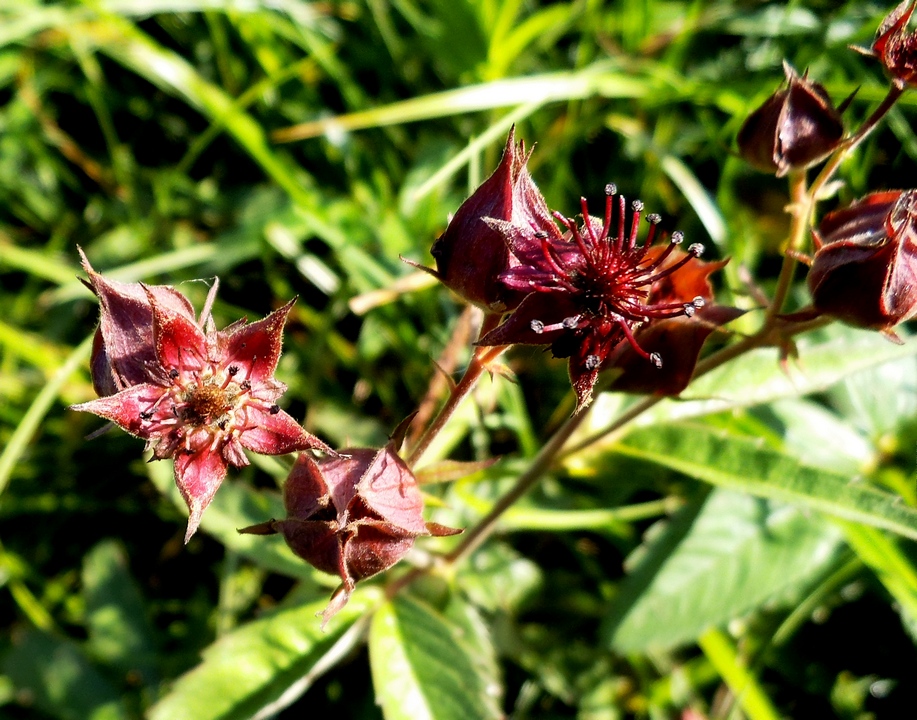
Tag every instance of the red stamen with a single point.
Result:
(635, 225)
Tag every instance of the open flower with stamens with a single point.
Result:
(194, 393)
(678, 339)
(588, 287)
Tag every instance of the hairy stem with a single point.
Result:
(827, 172)
(801, 207)
(543, 460)
(480, 360)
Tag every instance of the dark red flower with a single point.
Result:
(470, 255)
(352, 516)
(194, 393)
(895, 47)
(795, 127)
(588, 289)
(865, 267)
(678, 339)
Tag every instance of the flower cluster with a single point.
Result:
(589, 288)
(586, 288)
(864, 270)
(203, 396)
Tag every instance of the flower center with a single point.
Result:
(207, 403)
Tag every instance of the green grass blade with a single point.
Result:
(598, 81)
(40, 406)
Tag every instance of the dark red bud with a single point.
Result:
(352, 516)
(865, 271)
(471, 254)
(795, 127)
(895, 47)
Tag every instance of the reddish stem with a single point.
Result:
(480, 361)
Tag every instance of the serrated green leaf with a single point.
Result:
(878, 400)
(423, 667)
(60, 679)
(119, 632)
(821, 438)
(707, 568)
(741, 463)
(824, 360)
(255, 666)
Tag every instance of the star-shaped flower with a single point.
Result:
(194, 393)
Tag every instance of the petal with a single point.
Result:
(470, 254)
(893, 25)
(305, 492)
(809, 127)
(595, 344)
(437, 530)
(374, 546)
(268, 390)
(899, 297)
(337, 602)
(126, 326)
(678, 341)
(104, 381)
(276, 433)
(389, 488)
(234, 454)
(198, 476)
(316, 542)
(130, 409)
(179, 341)
(255, 348)
(538, 307)
(690, 281)
(343, 473)
(582, 378)
(758, 135)
(862, 222)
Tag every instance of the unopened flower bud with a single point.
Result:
(471, 254)
(795, 127)
(352, 516)
(865, 269)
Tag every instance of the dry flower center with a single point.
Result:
(207, 402)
